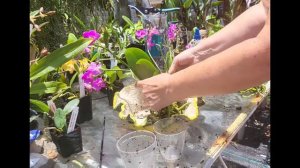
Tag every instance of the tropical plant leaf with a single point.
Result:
(80, 22)
(145, 69)
(119, 73)
(170, 4)
(47, 87)
(128, 21)
(71, 38)
(59, 118)
(58, 58)
(112, 76)
(70, 106)
(140, 63)
(216, 3)
(73, 78)
(95, 56)
(133, 54)
(39, 106)
(187, 4)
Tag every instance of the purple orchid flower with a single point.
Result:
(141, 33)
(152, 32)
(172, 32)
(91, 34)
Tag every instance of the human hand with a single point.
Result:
(156, 91)
(188, 58)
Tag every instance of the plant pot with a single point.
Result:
(111, 93)
(85, 110)
(128, 104)
(67, 144)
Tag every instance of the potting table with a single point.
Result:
(221, 118)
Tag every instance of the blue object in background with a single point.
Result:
(34, 134)
(197, 35)
(157, 40)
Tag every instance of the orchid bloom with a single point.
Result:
(91, 34)
(172, 32)
(152, 32)
(69, 66)
(91, 80)
(141, 33)
(83, 64)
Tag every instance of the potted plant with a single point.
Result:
(113, 79)
(85, 71)
(128, 101)
(67, 143)
(90, 81)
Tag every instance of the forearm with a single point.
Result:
(242, 66)
(246, 26)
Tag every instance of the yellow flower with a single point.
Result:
(84, 64)
(69, 66)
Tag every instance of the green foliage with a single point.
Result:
(140, 63)
(58, 58)
(39, 106)
(91, 13)
(47, 87)
(60, 115)
(257, 90)
(193, 13)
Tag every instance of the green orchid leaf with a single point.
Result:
(80, 22)
(141, 69)
(58, 58)
(120, 74)
(128, 21)
(187, 4)
(216, 3)
(145, 69)
(71, 38)
(70, 106)
(48, 87)
(60, 118)
(73, 78)
(111, 75)
(170, 4)
(39, 106)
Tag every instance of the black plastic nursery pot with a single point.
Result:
(67, 144)
(111, 93)
(85, 112)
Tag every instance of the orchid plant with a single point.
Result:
(169, 42)
(91, 69)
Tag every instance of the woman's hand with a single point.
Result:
(188, 58)
(157, 91)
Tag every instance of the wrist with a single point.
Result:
(200, 55)
(172, 89)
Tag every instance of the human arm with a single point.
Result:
(245, 26)
(241, 66)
